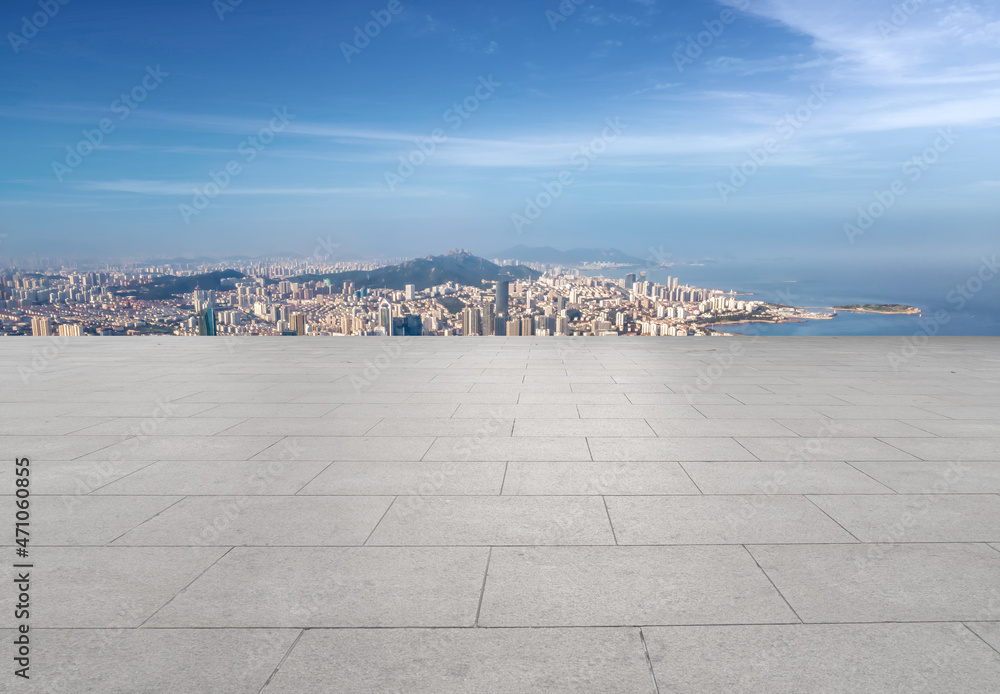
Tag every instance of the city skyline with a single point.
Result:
(391, 127)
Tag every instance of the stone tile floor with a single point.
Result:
(506, 515)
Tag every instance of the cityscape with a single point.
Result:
(271, 298)
(454, 346)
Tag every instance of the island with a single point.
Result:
(879, 308)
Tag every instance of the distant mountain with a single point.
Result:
(166, 286)
(574, 256)
(457, 266)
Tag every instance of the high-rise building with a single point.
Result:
(413, 326)
(470, 321)
(410, 292)
(513, 328)
(527, 326)
(385, 316)
(41, 326)
(297, 322)
(70, 330)
(489, 320)
(502, 290)
(204, 311)
(629, 280)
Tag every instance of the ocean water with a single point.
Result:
(936, 290)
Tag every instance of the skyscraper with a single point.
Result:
(502, 290)
(70, 330)
(297, 323)
(385, 316)
(204, 311)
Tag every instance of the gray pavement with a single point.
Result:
(505, 515)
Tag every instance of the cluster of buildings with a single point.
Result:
(559, 302)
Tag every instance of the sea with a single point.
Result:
(955, 299)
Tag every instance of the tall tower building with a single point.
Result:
(489, 320)
(385, 316)
(204, 311)
(41, 326)
(297, 322)
(502, 289)
(411, 291)
(470, 321)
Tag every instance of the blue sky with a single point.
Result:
(610, 118)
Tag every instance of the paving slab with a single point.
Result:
(182, 448)
(670, 428)
(238, 521)
(854, 428)
(486, 448)
(709, 520)
(587, 478)
(988, 632)
(43, 449)
(821, 659)
(414, 478)
(79, 520)
(959, 428)
(916, 517)
(494, 520)
(607, 586)
(836, 449)
(885, 582)
(582, 427)
(105, 587)
(456, 661)
(70, 477)
(442, 427)
(674, 449)
(782, 478)
(127, 661)
(987, 449)
(301, 426)
(352, 448)
(969, 477)
(333, 587)
(213, 478)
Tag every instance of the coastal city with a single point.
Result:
(292, 297)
